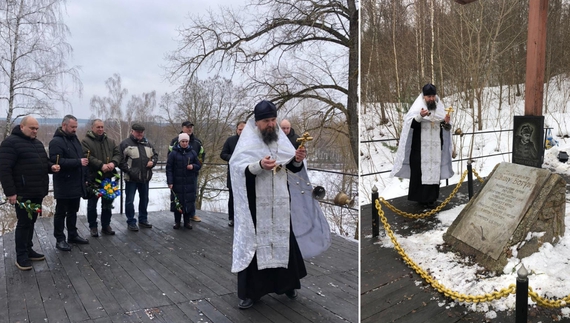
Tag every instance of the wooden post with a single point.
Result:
(535, 57)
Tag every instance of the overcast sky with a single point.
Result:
(128, 37)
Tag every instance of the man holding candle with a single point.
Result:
(24, 168)
(69, 183)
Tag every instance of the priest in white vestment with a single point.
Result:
(267, 256)
(424, 151)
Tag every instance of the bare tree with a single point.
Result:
(140, 108)
(214, 106)
(33, 54)
(110, 108)
(300, 50)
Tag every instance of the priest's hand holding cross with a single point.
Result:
(301, 152)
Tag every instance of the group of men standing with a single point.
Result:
(25, 168)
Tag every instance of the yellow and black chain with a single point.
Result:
(435, 210)
(550, 303)
(539, 300)
(430, 280)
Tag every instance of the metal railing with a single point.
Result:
(453, 135)
(162, 164)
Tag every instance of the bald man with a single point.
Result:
(24, 168)
(290, 132)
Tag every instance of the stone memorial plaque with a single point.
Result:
(498, 209)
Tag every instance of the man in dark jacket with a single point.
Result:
(290, 132)
(24, 168)
(138, 159)
(69, 183)
(226, 154)
(104, 156)
(196, 144)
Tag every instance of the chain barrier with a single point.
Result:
(549, 303)
(430, 213)
(539, 300)
(430, 280)
(435, 210)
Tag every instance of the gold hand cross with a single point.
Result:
(449, 110)
(303, 139)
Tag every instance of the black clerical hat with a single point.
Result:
(265, 109)
(429, 89)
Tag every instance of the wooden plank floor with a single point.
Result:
(164, 275)
(389, 289)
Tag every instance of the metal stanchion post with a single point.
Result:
(470, 179)
(522, 295)
(122, 192)
(375, 219)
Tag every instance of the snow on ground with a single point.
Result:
(548, 274)
(341, 219)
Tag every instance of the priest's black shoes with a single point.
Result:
(292, 294)
(245, 303)
(78, 240)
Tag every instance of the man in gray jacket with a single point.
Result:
(138, 159)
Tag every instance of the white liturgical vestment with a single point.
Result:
(269, 238)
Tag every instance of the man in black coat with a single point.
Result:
(68, 184)
(226, 154)
(290, 132)
(24, 168)
(196, 144)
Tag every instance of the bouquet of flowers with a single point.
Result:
(30, 207)
(107, 188)
(176, 202)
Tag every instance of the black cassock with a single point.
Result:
(254, 283)
(425, 194)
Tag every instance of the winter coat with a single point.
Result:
(195, 143)
(101, 150)
(182, 179)
(135, 156)
(69, 182)
(24, 166)
(293, 138)
(226, 154)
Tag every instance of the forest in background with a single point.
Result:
(462, 49)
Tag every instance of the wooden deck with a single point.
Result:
(389, 289)
(164, 275)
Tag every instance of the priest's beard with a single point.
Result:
(431, 105)
(269, 135)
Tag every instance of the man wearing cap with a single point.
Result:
(196, 144)
(266, 255)
(138, 159)
(226, 154)
(424, 151)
